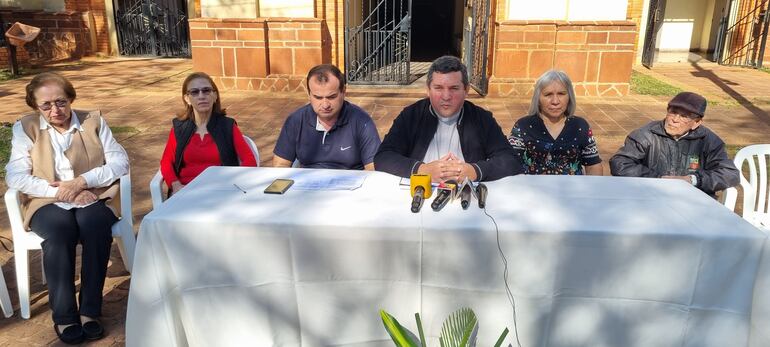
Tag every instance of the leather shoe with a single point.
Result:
(71, 335)
(93, 330)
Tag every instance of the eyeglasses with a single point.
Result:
(204, 91)
(46, 106)
(682, 115)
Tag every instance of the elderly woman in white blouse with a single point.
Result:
(67, 164)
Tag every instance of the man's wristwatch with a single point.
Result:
(694, 180)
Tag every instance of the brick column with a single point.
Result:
(634, 13)
(97, 10)
(333, 30)
(597, 56)
(271, 54)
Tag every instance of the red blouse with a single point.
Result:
(199, 154)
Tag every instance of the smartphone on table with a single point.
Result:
(279, 186)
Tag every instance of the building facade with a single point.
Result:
(731, 32)
(507, 44)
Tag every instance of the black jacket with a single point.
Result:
(650, 152)
(221, 129)
(483, 144)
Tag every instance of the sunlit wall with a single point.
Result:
(256, 8)
(572, 10)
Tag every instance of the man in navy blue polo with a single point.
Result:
(329, 132)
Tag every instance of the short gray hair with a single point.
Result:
(546, 79)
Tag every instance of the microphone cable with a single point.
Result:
(508, 292)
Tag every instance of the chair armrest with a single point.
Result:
(729, 198)
(749, 199)
(13, 205)
(253, 147)
(126, 210)
(156, 190)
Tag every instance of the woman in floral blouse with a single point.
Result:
(551, 140)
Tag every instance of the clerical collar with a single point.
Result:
(446, 120)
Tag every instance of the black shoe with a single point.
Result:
(71, 335)
(92, 330)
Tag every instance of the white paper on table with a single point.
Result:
(328, 180)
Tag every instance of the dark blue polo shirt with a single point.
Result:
(350, 144)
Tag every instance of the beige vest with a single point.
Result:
(85, 153)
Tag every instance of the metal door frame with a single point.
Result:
(476, 42)
(377, 48)
(655, 16)
(739, 43)
(152, 27)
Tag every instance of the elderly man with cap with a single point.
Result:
(678, 147)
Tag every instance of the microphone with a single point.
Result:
(481, 193)
(465, 196)
(446, 192)
(419, 187)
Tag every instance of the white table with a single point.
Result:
(592, 261)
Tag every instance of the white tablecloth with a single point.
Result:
(592, 261)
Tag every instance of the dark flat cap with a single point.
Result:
(690, 102)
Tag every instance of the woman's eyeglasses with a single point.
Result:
(204, 91)
(46, 106)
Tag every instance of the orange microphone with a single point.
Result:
(420, 189)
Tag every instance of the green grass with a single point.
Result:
(764, 69)
(647, 85)
(732, 150)
(124, 130)
(5, 147)
(5, 74)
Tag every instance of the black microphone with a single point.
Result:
(445, 194)
(420, 189)
(481, 193)
(418, 199)
(465, 196)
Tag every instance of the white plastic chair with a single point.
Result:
(156, 184)
(24, 241)
(5, 299)
(755, 188)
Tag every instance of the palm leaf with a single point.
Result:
(458, 329)
(399, 334)
(502, 337)
(419, 329)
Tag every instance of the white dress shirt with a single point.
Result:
(19, 168)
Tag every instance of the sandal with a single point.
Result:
(71, 335)
(93, 330)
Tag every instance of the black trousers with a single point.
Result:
(61, 231)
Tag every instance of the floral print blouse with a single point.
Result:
(541, 154)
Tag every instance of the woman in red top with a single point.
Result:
(202, 136)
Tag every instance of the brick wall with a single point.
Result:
(97, 10)
(596, 55)
(333, 30)
(63, 36)
(634, 13)
(271, 54)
